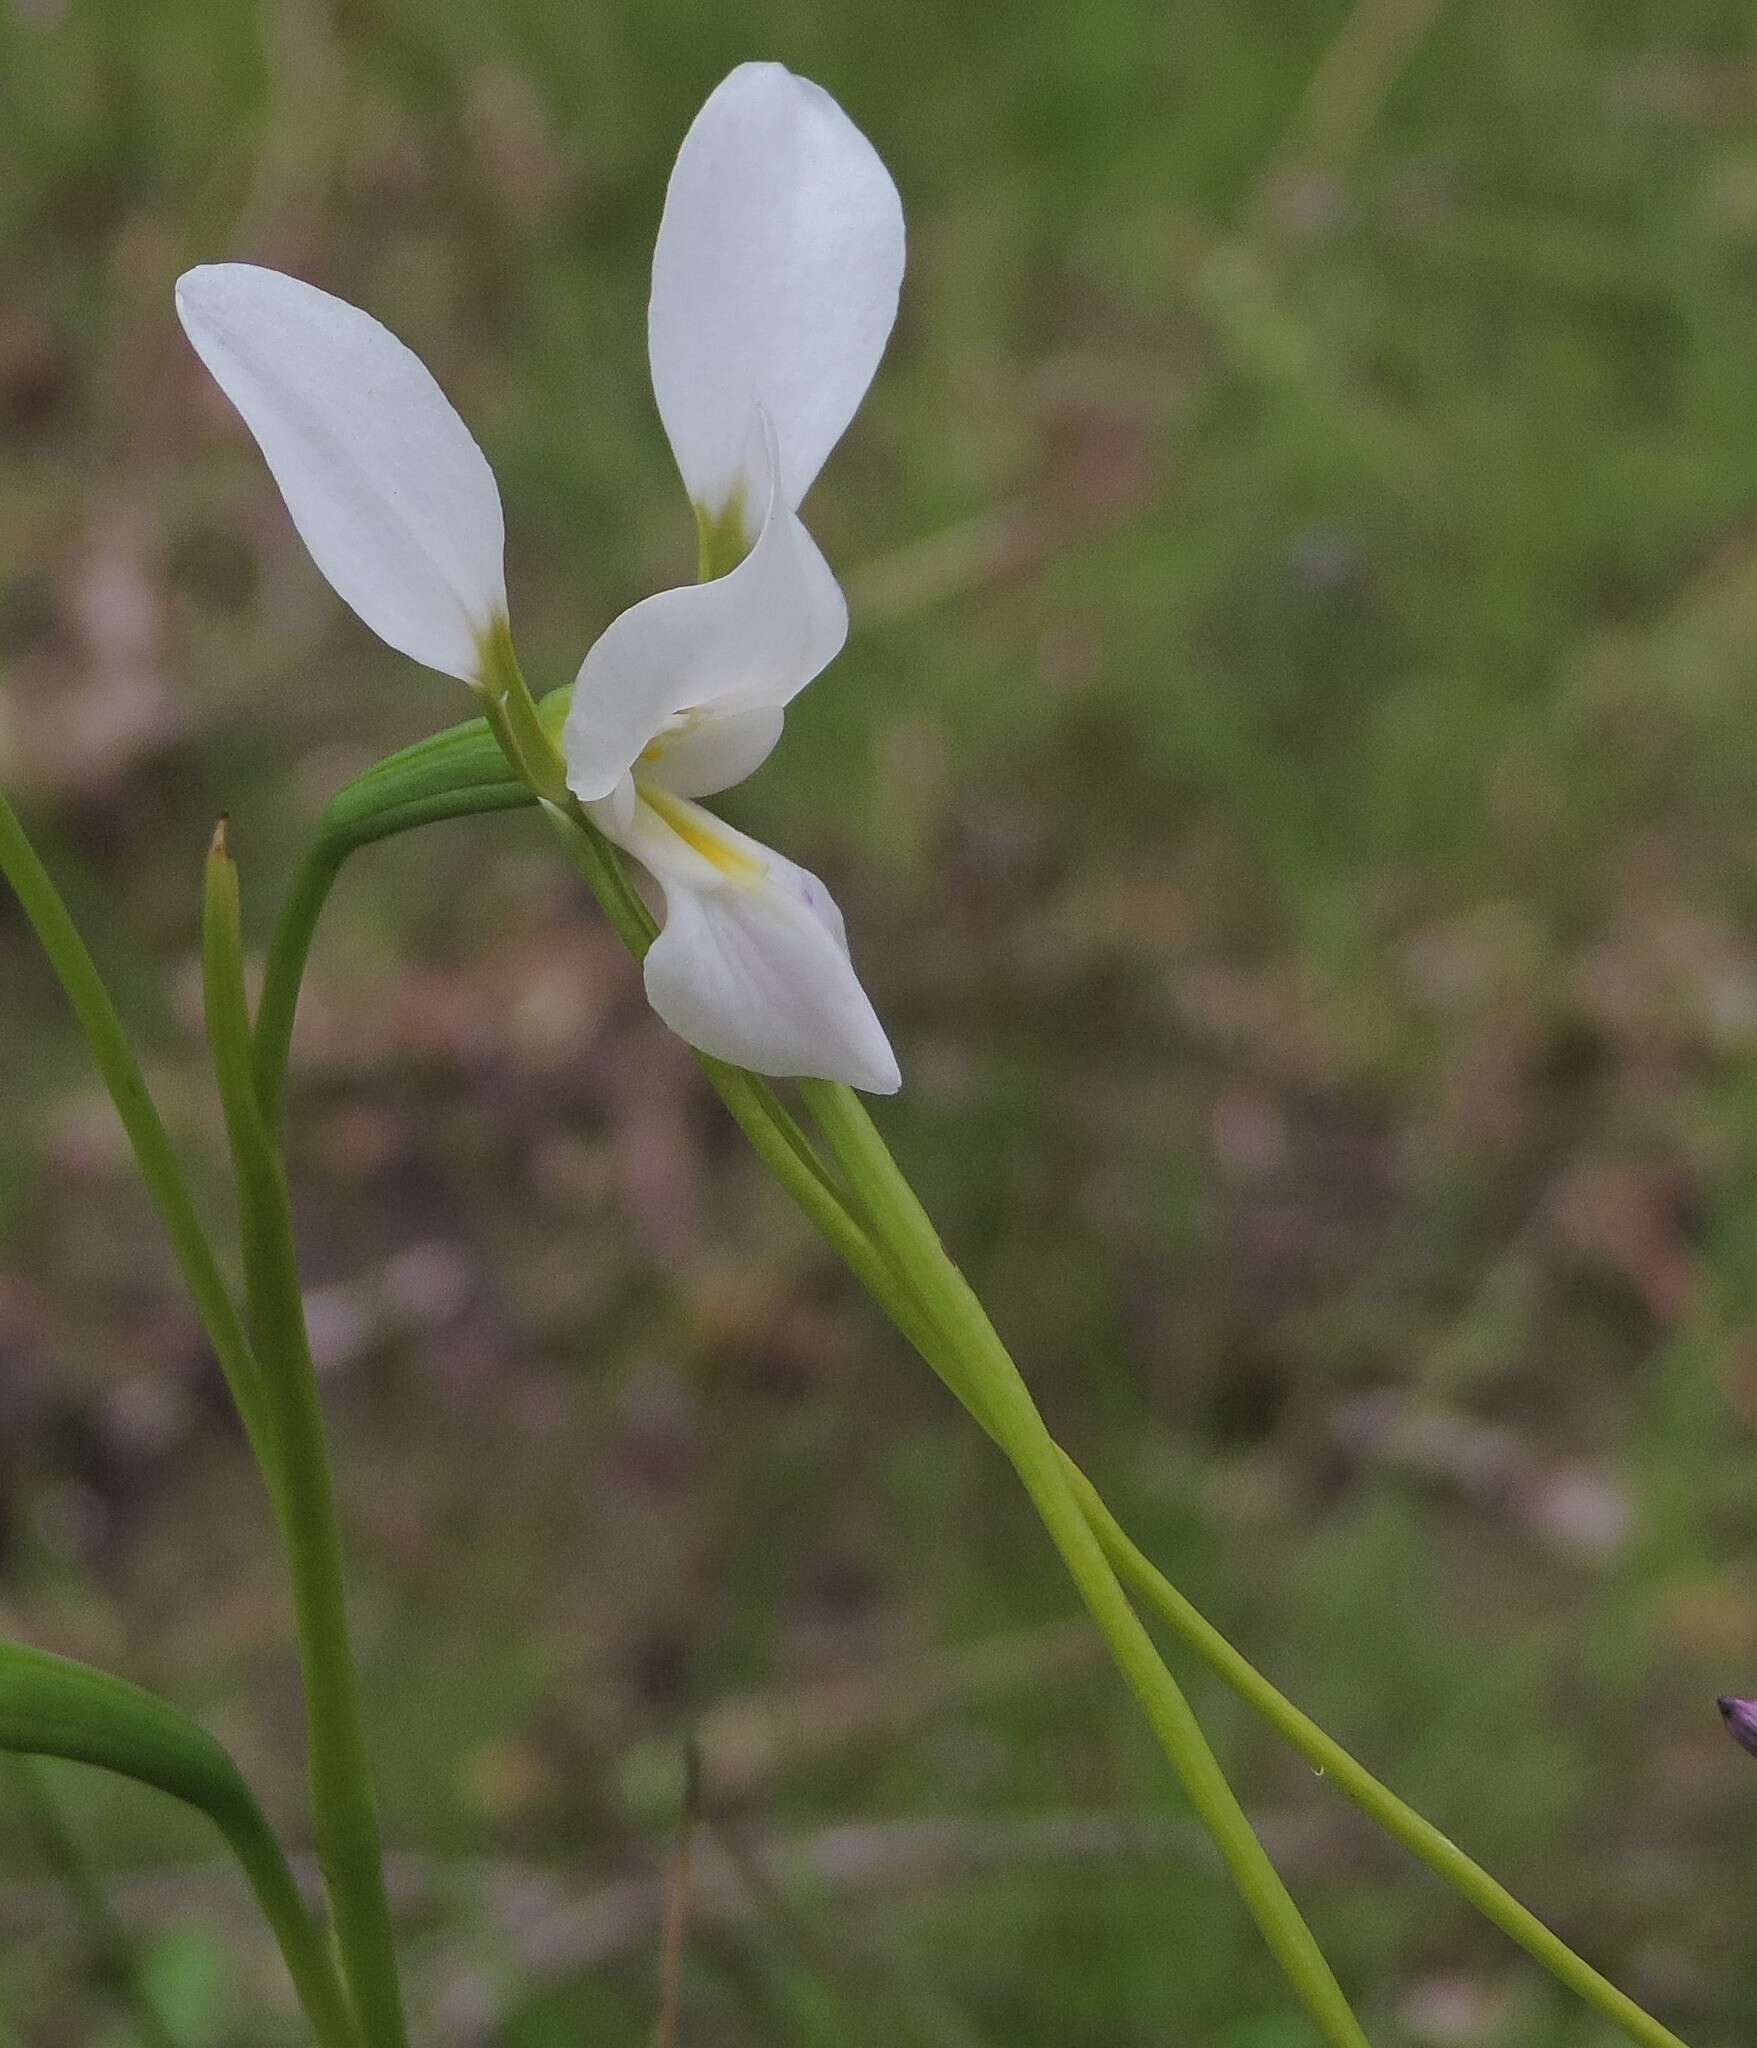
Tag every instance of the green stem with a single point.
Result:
(902, 1226)
(513, 718)
(103, 1033)
(112, 1946)
(942, 1350)
(781, 1144)
(283, 971)
(1378, 1802)
(303, 1948)
(786, 1150)
(1156, 1592)
(341, 1779)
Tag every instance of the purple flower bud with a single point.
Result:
(1740, 1717)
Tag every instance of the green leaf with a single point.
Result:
(458, 773)
(451, 774)
(52, 1706)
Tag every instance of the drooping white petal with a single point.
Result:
(748, 641)
(775, 281)
(752, 964)
(384, 482)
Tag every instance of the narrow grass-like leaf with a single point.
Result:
(460, 770)
(457, 773)
(116, 1063)
(52, 1706)
(341, 1784)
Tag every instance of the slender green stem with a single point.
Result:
(939, 1345)
(303, 1948)
(903, 1226)
(341, 1779)
(595, 859)
(307, 1958)
(515, 721)
(290, 947)
(1156, 1592)
(1401, 1822)
(103, 1033)
(112, 1947)
(836, 1213)
(786, 1150)
(284, 970)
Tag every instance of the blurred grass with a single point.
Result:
(1291, 788)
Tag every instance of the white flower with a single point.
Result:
(775, 284)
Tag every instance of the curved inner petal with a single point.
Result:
(707, 751)
(775, 281)
(747, 642)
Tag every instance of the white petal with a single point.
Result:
(775, 280)
(710, 754)
(752, 964)
(388, 490)
(747, 641)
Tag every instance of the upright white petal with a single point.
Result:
(385, 484)
(752, 964)
(748, 641)
(775, 281)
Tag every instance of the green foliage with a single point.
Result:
(52, 1706)
(456, 773)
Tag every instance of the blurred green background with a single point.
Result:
(1292, 787)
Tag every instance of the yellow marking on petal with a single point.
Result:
(673, 729)
(695, 828)
(723, 537)
(497, 666)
